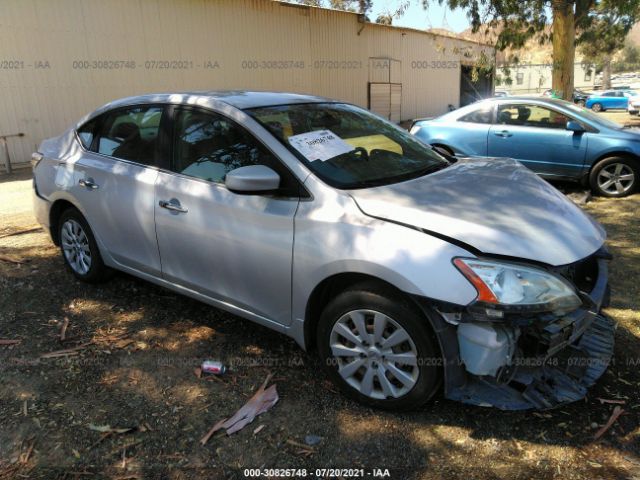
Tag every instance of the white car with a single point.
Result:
(634, 105)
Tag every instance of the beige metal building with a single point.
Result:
(536, 77)
(61, 59)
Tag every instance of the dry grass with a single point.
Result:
(138, 372)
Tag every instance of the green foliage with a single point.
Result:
(606, 27)
(629, 60)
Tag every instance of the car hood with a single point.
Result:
(494, 205)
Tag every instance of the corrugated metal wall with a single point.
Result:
(61, 59)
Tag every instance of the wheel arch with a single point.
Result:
(444, 146)
(611, 154)
(55, 212)
(331, 286)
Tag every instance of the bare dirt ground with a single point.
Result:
(138, 373)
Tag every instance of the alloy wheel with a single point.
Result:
(75, 245)
(375, 355)
(616, 178)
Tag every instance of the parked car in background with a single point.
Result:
(322, 221)
(554, 138)
(501, 93)
(609, 100)
(634, 105)
(579, 97)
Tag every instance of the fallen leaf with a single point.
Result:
(108, 429)
(198, 372)
(63, 329)
(21, 232)
(258, 429)
(261, 401)
(67, 351)
(604, 400)
(9, 342)
(18, 261)
(617, 411)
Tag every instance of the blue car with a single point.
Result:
(554, 138)
(609, 100)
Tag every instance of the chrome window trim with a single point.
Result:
(164, 170)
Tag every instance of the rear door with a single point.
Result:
(536, 135)
(114, 182)
(234, 248)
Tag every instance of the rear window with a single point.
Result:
(131, 134)
(483, 115)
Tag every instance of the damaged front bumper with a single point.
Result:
(550, 361)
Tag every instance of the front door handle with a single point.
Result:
(173, 205)
(88, 183)
(503, 134)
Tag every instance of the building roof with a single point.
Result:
(361, 17)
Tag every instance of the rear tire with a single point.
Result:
(79, 248)
(379, 349)
(615, 177)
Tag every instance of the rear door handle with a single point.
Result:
(88, 183)
(173, 205)
(503, 134)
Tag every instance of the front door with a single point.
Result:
(234, 248)
(537, 137)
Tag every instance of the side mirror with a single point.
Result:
(574, 126)
(252, 179)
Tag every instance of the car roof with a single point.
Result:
(241, 99)
(552, 102)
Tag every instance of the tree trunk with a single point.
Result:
(564, 33)
(606, 73)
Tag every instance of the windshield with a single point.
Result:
(596, 118)
(346, 146)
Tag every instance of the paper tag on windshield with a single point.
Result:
(319, 145)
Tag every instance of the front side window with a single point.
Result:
(531, 116)
(131, 134)
(86, 133)
(207, 145)
(346, 146)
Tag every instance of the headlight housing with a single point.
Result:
(518, 287)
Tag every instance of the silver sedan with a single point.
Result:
(403, 269)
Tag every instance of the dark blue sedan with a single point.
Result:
(554, 138)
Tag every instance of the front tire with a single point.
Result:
(597, 107)
(79, 248)
(379, 349)
(615, 177)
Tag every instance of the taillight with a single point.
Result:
(36, 157)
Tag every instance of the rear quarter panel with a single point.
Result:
(466, 139)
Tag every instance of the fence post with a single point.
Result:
(7, 159)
